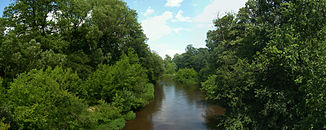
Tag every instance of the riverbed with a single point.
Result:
(176, 107)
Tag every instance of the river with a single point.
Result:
(176, 107)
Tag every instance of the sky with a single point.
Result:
(171, 25)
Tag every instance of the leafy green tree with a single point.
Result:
(4, 126)
(197, 58)
(2, 92)
(38, 101)
(170, 67)
(83, 33)
(153, 63)
(18, 57)
(122, 84)
(5, 114)
(187, 76)
(90, 37)
(268, 69)
(104, 116)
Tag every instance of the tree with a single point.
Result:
(18, 57)
(196, 58)
(187, 76)
(268, 69)
(38, 100)
(86, 33)
(99, 46)
(122, 84)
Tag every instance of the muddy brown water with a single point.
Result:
(176, 107)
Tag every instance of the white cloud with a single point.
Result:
(173, 3)
(164, 35)
(149, 11)
(156, 27)
(181, 18)
(216, 9)
(177, 30)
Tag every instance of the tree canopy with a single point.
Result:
(103, 68)
(266, 65)
(85, 64)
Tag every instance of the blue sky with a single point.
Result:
(3, 4)
(170, 25)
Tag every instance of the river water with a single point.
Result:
(176, 107)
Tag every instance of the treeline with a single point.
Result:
(266, 65)
(73, 64)
(187, 76)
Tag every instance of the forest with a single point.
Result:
(85, 64)
(265, 64)
(73, 64)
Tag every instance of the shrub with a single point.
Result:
(124, 85)
(130, 115)
(4, 126)
(187, 76)
(38, 100)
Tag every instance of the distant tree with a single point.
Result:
(187, 76)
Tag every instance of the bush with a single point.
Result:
(124, 85)
(38, 100)
(103, 116)
(187, 76)
(130, 115)
(2, 93)
(148, 92)
(4, 126)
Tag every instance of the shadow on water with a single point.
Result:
(176, 107)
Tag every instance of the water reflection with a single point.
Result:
(176, 107)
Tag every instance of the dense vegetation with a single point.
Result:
(266, 65)
(73, 64)
(84, 64)
(170, 67)
(187, 76)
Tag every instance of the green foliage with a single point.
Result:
(130, 115)
(170, 67)
(103, 116)
(269, 60)
(187, 76)
(38, 100)
(44, 99)
(4, 126)
(124, 84)
(197, 59)
(91, 38)
(18, 57)
(153, 63)
(266, 65)
(71, 38)
(2, 92)
(148, 93)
